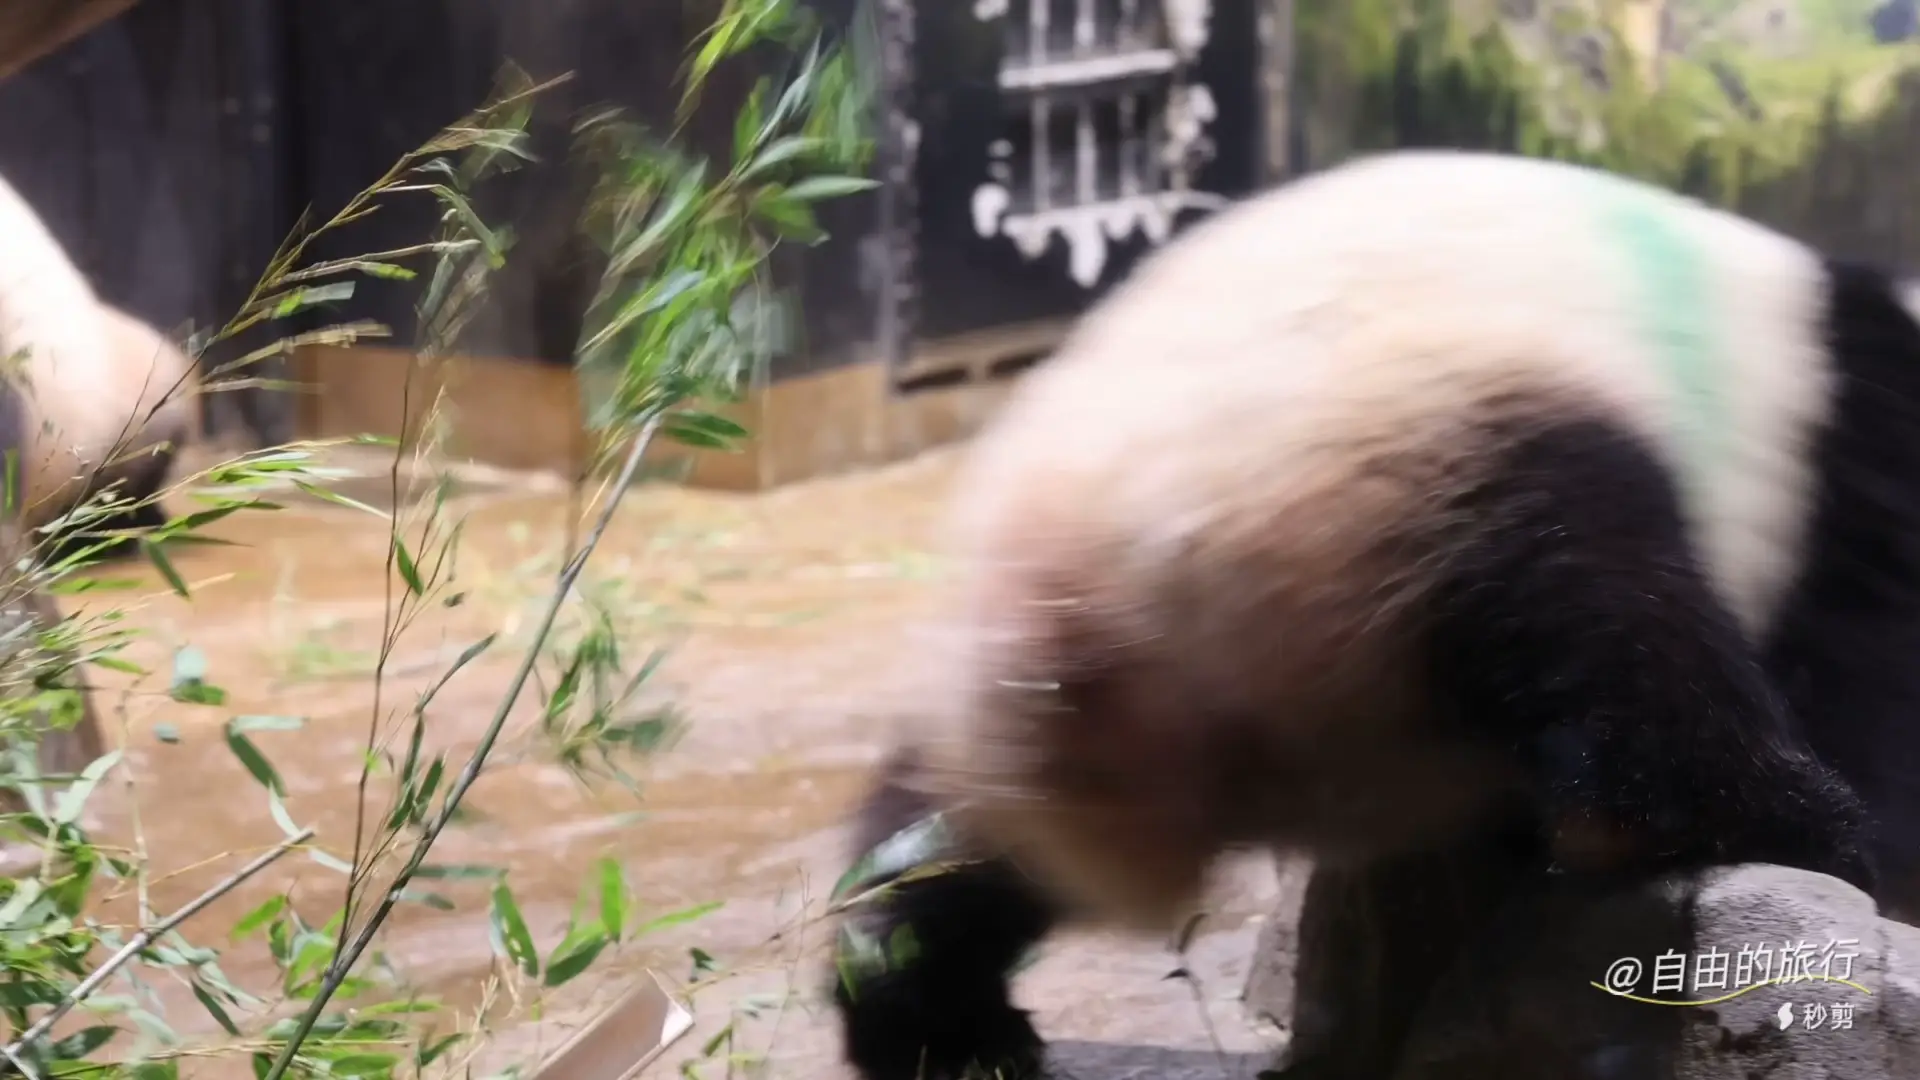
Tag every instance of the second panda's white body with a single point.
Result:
(154, 387)
(1425, 487)
(55, 344)
(88, 378)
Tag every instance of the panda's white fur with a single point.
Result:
(1280, 311)
(85, 374)
(53, 341)
(74, 368)
(156, 385)
(1280, 344)
(1204, 549)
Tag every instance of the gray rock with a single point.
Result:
(1269, 989)
(1900, 991)
(1751, 971)
(1810, 925)
(1366, 948)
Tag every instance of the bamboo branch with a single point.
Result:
(343, 961)
(143, 939)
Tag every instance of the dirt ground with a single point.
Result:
(795, 618)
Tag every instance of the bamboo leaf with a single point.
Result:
(78, 1045)
(189, 685)
(74, 799)
(685, 915)
(783, 150)
(408, 571)
(817, 188)
(570, 960)
(613, 897)
(258, 917)
(254, 761)
(163, 564)
(214, 1009)
(432, 872)
(510, 934)
(326, 495)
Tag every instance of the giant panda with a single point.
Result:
(93, 395)
(89, 395)
(1424, 489)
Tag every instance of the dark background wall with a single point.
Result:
(173, 148)
(147, 145)
(966, 281)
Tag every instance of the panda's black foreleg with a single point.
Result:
(922, 965)
(91, 538)
(1578, 627)
(141, 479)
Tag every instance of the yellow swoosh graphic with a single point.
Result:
(1736, 993)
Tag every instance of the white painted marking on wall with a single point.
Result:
(990, 202)
(1187, 24)
(1133, 182)
(1083, 70)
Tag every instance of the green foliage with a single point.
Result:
(1725, 121)
(684, 314)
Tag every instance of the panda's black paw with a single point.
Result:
(902, 1031)
(1826, 830)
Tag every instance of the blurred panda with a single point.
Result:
(1428, 486)
(93, 397)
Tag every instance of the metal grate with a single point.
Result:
(1105, 126)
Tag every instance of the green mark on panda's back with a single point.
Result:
(1673, 304)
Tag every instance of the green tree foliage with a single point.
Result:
(1766, 136)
